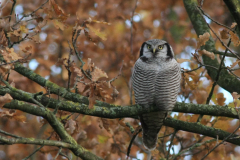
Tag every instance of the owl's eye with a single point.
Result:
(148, 46)
(160, 47)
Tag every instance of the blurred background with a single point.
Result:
(132, 23)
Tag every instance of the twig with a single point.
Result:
(119, 74)
(117, 145)
(223, 44)
(68, 67)
(64, 155)
(214, 20)
(132, 140)
(193, 147)
(37, 149)
(59, 151)
(131, 38)
(9, 134)
(172, 138)
(23, 60)
(229, 136)
(216, 79)
(14, 2)
(30, 14)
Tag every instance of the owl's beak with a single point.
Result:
(154, 50)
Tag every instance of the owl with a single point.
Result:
(156, 81)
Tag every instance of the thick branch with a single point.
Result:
(120, 111)
(226, 80)
(57, 125)
(177, 124)
(234, 8)
(10, 141)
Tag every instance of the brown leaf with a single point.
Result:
(71, 126)
(37, 29)
(115, 93)
(20, 118)
(224, 34)
(183, 60)
(235, 95)
(106, 124)
(90, 65)
(58, 24)
(233, 24)
(235, 39)
(12, 54)
(3, 39)
(207, 53)
(5, 99)
(235, 63)
(23, 29)
(92, 100)
(58, 10)
(98, 73)
(220, 99)
(61, 61)
(97, 32)
(202, 39)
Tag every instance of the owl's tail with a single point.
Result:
(151, 125)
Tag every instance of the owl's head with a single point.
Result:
(156, 48)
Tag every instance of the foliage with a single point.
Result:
(65, 68)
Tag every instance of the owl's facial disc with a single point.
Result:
(154, 49)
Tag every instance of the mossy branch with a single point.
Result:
(226, 80)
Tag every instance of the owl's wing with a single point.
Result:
(143, 84)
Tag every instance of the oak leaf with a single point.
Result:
(58, 24)
(234, 39)
(97, 32)
(224, 34)
(207, 53)
(23, 29)
(202, 39)
(183, 60)
(233, 24)
(220, 99)
(5, 99)
(98, 73)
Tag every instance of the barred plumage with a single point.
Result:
(156, 81)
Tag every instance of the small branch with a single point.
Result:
(171, 141)
(9, 134)
(10, 141)
(131, 38)
(132, 140)
(30, 14)
(224, 140)
(214, 20)
(14, 2)
(193, 147)
(223, 44)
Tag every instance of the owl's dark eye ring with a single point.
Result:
(149, 46)
(160, 47)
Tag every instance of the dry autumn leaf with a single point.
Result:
(224, 34)
(235, 63)
(98, 73)
(234, 39)
(207, 53)
(233, 24)
(5, 99)
(58, 24)
(202, 39)
(220, 99)
(183, 60)
(97, 32)
(23, 29)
